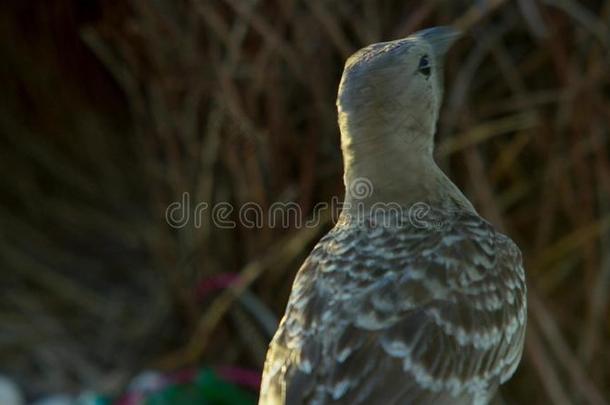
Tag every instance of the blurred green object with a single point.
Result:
(91, 398)
(206, 389)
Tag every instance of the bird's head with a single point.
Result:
(391, 92)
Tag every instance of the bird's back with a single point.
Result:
(401, 312)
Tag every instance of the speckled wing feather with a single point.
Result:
(397, 314)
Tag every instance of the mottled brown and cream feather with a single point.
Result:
(395, 315)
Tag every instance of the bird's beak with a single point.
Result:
(440, 38)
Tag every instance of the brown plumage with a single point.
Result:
(412, 298)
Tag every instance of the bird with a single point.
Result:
(412, 297)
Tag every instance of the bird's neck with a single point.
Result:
(395, 168)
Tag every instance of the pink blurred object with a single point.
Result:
(241, 376)
(215, 283)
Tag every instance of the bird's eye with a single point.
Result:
(424, 66)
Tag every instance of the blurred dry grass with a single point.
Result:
(111, 110)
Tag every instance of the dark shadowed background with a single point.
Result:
(113, 110)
